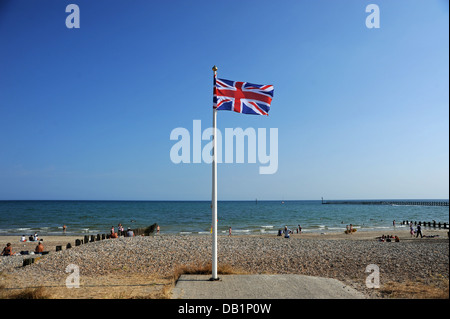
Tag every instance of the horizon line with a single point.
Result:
(225, 200)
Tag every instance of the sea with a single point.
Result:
(47, 217)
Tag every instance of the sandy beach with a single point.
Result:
(144, 267)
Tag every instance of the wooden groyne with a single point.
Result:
(383, 202)
(433, 224)
(92, 238)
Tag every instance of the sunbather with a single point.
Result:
(7, 251)
(39, 248)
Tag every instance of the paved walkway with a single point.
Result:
(262, 287)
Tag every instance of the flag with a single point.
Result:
(242, 97)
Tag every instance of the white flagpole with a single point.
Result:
(214, 195)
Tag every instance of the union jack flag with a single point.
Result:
(242, 97)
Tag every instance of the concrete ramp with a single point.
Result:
(262, 287)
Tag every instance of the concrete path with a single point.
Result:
(262, 287)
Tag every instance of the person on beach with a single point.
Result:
(393, 223)
(419, 231)
(39, 248)
(351, 228)
(23, 239)
(157, 230)
(64, 228)
(286, 232)
(112, 230)
(130, 232)
(36, 237)
(411, 230)
(299, 229)
(7, 251)
(229, 231)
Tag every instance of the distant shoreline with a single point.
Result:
(272, 232)
(224, 200)
(404, 235)
(249, 217)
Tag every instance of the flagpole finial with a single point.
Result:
(214, 68)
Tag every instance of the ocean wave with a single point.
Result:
(242, 230)
(316, 227)
(268, 231)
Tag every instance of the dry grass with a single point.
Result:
(28, 293)
(205, 269)
(117, 286)
(438, 289)
(124, 286)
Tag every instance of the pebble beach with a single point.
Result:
(340, 256)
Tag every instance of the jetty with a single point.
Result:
(386, 202)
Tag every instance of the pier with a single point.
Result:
(386, 202)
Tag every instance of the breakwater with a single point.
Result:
(385, 202)
(433, 224)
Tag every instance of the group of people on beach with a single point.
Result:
(121, 231)
(34, 237)
(129, 233)
(418, 231)
(7, 251)
(389, 238)
(413, 232)
(349, 229)
(287, 232)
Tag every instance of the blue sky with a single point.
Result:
(87, 113)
